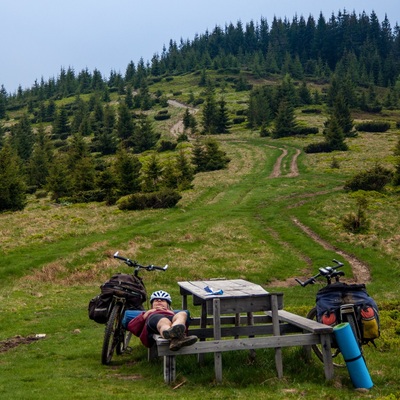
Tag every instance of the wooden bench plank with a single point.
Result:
(302, 322)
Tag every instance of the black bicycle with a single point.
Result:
(337, 302)
(116, 336)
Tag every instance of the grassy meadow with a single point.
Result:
(234, 223)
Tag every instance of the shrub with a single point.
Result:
(311, 111)
(373, 126)
(375, 178)
(320, 147)
(165, 198)
(238, 120)
(306, 130)
(162, 117)
(357, 222)
(166, 145)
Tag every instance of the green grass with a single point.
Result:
(235, 223)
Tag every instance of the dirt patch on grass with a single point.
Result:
(16, 341)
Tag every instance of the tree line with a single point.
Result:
(300, 47)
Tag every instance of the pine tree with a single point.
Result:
(186, 119)
(127, 172)
(184, 170)
(222, 118)
(209, 112)
(80, 163)
(125, 125)
(59, 179)
(61, 127)
(144, 137)
(285, 121)
(216, 158)
(334, 136)
(199, 156)
(22, 138)
(342, 114)
(39, 163)
(152, 175)
(12, 186)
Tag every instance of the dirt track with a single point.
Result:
(360, 270)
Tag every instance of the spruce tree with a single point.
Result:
(125, 124)
(12, 185)
(59, 179)
(222, 117)
(127, 172)
(184, 170)
(342, 114)
(40, 161)
(199, 156)
(152, 175)
(22, 138)
(285, 121)
(61, 127)
(209, 112)
(334, 136)
(80, 164)
(144, 137)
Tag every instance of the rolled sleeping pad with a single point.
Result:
(355, 362)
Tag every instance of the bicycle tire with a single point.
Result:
(112, 335)
(337, 357)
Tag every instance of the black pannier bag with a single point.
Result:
(123, 285)
(331, 297)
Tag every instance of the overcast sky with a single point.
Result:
(38, 37)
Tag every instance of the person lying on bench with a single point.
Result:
(162, 320)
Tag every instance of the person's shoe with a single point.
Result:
(176, 331)
(178, 343)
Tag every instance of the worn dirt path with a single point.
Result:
(294, 170)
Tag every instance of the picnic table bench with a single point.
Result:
(242, 329)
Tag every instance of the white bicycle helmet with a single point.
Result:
(160, 294)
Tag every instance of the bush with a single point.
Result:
(320, 147)
(238, 120)
(375, 178)
(166, 145)
(165, 198)
(357, 222)
(311, 111)
(162, 117)
(306, 130)
(373, 126)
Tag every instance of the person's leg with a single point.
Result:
(164, 324)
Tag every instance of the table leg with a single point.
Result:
(250, 322)
(203, 324)
(217, 336)
(277, 332)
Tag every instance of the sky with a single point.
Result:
(39, 37)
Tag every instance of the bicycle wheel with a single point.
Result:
(113, 335)
(337, 357)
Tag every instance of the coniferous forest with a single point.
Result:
(80, 135)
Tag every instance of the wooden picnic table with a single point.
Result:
(223, 327)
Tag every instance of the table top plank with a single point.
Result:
(231, 288)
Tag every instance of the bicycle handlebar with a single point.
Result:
(327, 272)
(137, 266)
